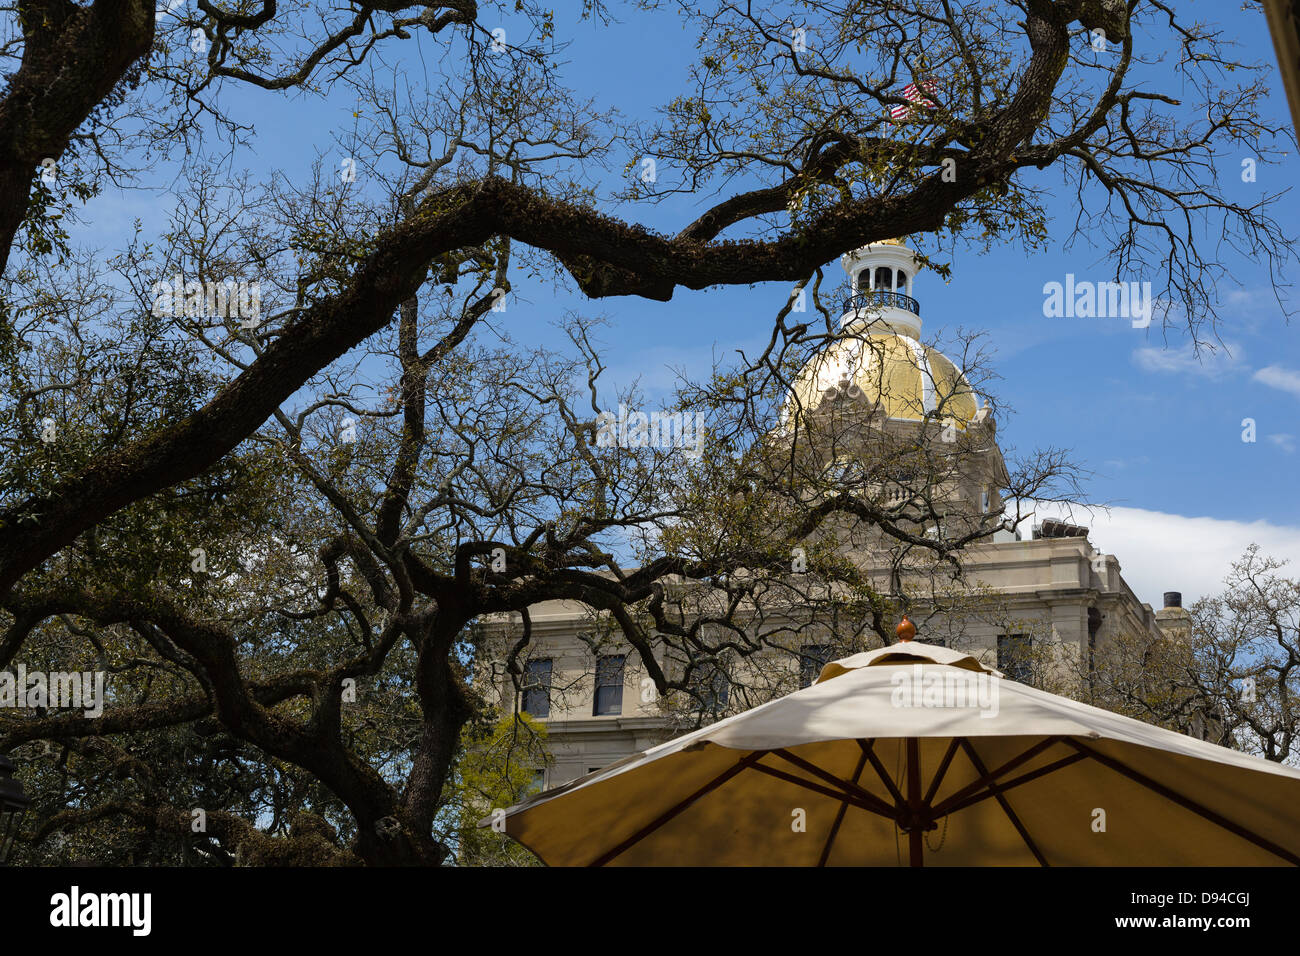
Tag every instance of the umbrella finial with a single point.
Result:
(906, 629)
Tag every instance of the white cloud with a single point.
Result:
(1211, 362)
(1161, 552)
(1275, 376)
(1283, 440)
(1119, 464)
(1252, 309)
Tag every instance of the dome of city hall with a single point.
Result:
(878, 357)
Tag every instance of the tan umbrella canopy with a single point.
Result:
(917, 754)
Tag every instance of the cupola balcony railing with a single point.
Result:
(876, 300)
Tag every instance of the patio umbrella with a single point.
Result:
(916, 754)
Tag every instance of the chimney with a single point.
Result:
(1172, 619)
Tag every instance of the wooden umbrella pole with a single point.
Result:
(916, 834)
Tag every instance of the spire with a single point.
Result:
(882, 274)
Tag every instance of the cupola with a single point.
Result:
(882, 274)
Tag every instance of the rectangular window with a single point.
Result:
(609, 685)
(1014, 656)
(812, 658)
(537, 689)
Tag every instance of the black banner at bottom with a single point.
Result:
(339, 906)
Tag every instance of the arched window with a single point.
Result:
(902, 281)
(884, 279)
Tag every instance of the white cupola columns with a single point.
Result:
(882, 274)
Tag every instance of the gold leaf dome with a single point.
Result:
(907, 380)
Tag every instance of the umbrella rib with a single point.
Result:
(839, 816)
(1186, 802)
(988, 778)
(943, 770)
(881, 807)
(748, 760)
(870, 753)
(996, 788)
(997, 792)
(852, 798)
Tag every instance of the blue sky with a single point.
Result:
(1159, 429)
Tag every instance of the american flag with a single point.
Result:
(913, 94)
